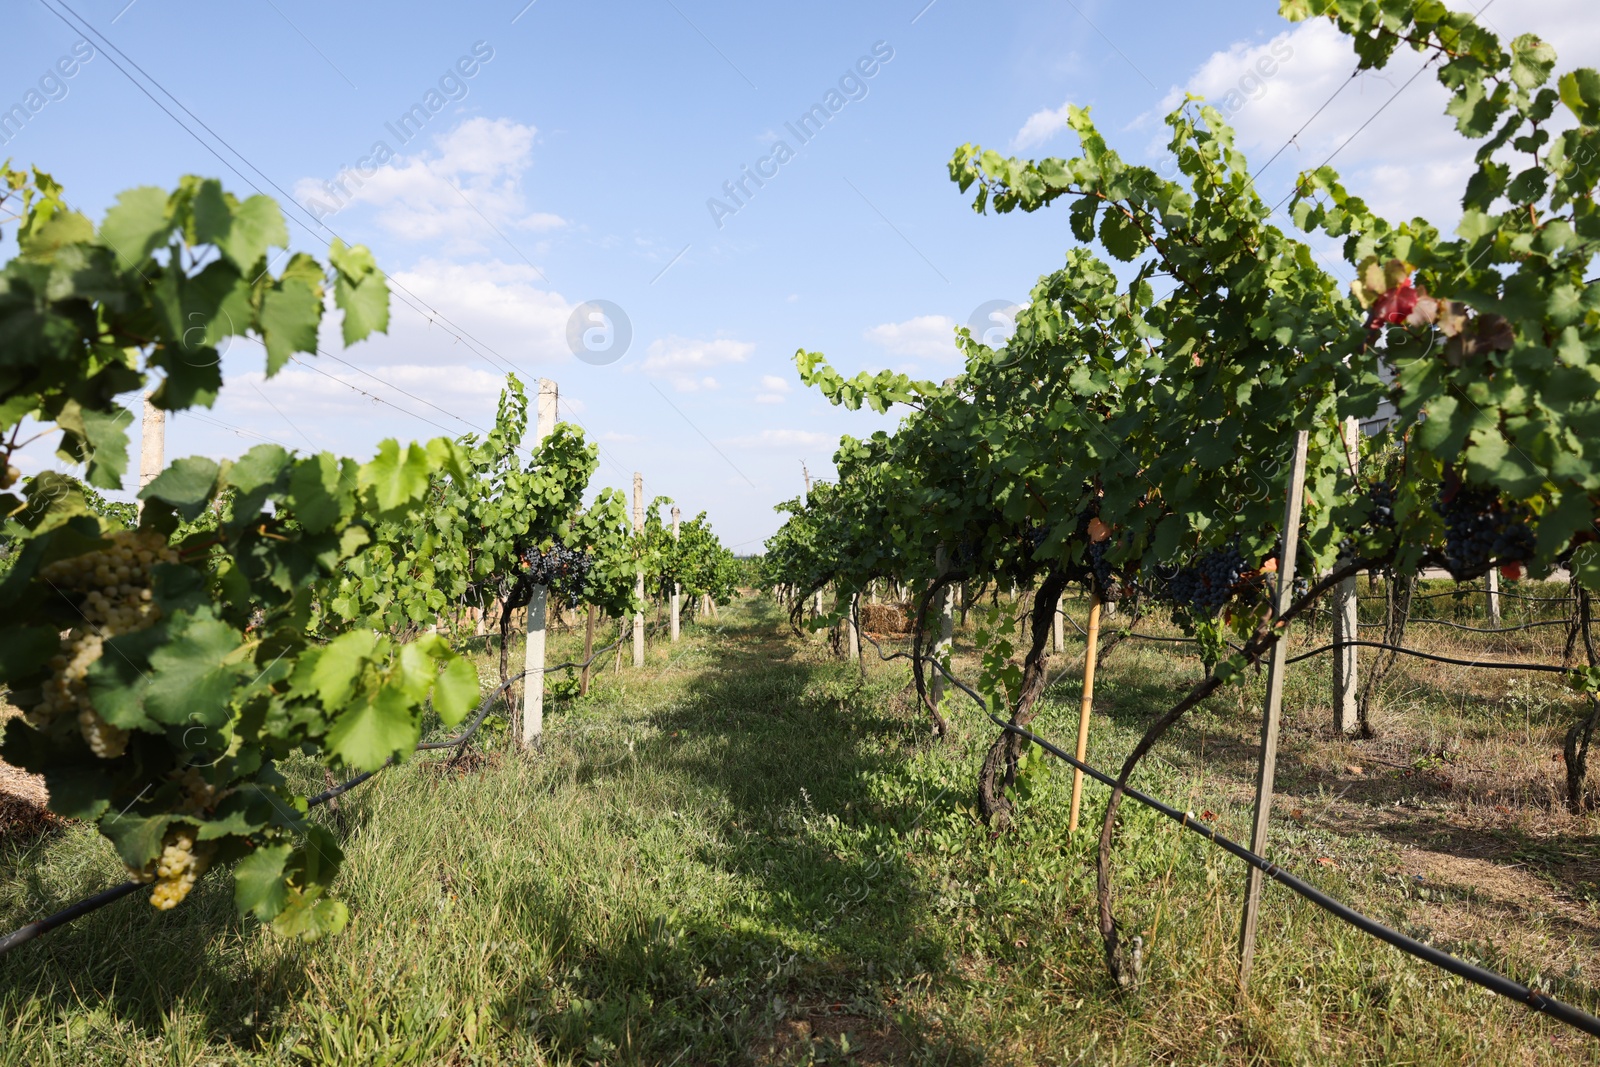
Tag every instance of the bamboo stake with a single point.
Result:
(1090, 654)
(1274, 708)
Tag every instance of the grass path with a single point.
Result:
(743, 853)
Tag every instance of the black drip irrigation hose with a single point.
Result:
(1549, 668)
(1490, 980)
(1413, 621)
(23, 934)
(1466, 591)
(1496, 983)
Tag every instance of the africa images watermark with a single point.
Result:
(52, 86)
(852, 85)
(452, 87)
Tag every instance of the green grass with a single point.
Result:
(742, 853)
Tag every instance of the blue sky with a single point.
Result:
(578, 159)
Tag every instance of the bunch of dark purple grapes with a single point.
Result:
(559, 568)
(1208, 583)
(1479, 530)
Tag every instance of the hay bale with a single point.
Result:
(884, 618)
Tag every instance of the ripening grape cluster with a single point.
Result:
(1209, 583)
(117, 599)
(1478, 531)
(1107, 582)
(181, 863)
(561, 569)
(1381, 496)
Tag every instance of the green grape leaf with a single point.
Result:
(360, 291)
(1586, 566)
(257, 226)
(136, 225)
(98, 438)
(291, 311)
(24, 649)
(371, 730)
(191, 678)
(257, 468)
(456, 692)
(237, 815)
(61, 230)
(318, 492)
(1532, 60)
(186, 485)
(137, 837)
(396, 478)
(76, 792)
(310, 914)
(333, 671)
(1580, 91)
(258, 887)
(1121, 236)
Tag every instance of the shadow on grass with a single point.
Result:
(829, 911)
(134, 965)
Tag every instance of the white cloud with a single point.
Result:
(926, 336)
(463, 190)
(1040, 127)
(784, 439)
(774, 384)
(1407, 159)
(683, 361)
(510, 318)
(768, 398)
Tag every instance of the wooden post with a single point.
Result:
(855, 632)
(677, 590)
(533, 659)
(152, 445)
(638, 583)
(947, 622)
(1346, 698)
(588, 651)
(1269, 719)
(1090, 654)
(1491, 595)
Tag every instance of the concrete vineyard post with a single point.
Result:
(947, 622)
(638, 582)
(1274, 708)
(1057, 629)
(1346, 717)
(677, 590)
(533, 660)
(1491, 595)
(1091, 653)
(152, 445)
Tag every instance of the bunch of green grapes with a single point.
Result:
(177, 869)
(116, 599)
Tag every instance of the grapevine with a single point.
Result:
(165, 669)
(1168, 389)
